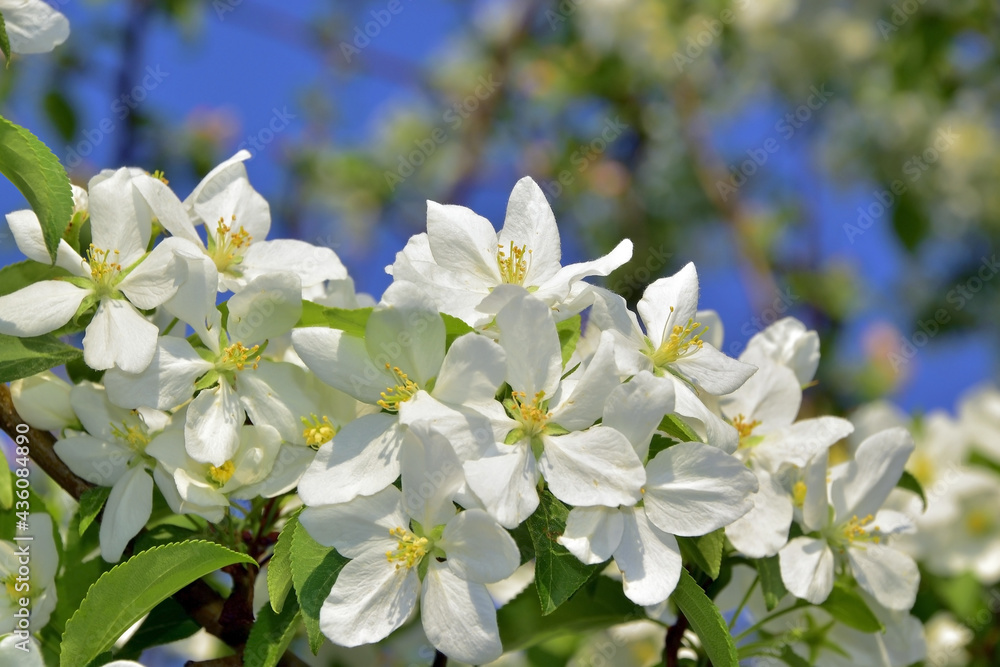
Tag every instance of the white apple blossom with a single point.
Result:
(409, 544)
(118, 277)
(33, 26)
(550, 431)
(852, 537)
(42, 401)
(39, 587)
(461, 258)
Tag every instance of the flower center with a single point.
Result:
(513, 263)
(799, 492)
(404, 390)
(682, 341)
(11, 583)
(135, 437)
(222, 474)
(410, 549)
(237, 356)
(533, 416)
(979, 522)
(318, 431)
(229, 244)
(745, 429)
(857, 530)
(104, 268)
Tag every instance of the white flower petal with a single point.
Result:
(359, 526)
(369, 600)
(212, 427)
(505, 483)
(463, 243)
(889, 575)
(717, 432)
(95, 460)
(311, 264)
(410, 338)
(194, 301)
(27, 233)
(459, 618)
(593, 467)
(226, 192)
(530, 222)
(262, 393)
(868, 479)
(585, 404)
(566, 284)
(34, 26)
(120, 219)
(763, 530)
(39, 308)
(42, 401)
(807, 569)
(167, 382)
(528, 336)
(668, 302)
(126, 512)
(119, 336)
(693, 489)
(472, 370)
(801, 442)
(787, 342)
(713, 371)
(636, 408)
(478, 549)
(341, 361)
(649, 559)
(431, 476)
(592, 533)
(771, 396)
(362, 459)
(166, 208)
(157, 278)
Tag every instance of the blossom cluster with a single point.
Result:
(419, 431)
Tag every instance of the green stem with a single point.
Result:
(170, 327)
(757, 626)
(743, 602)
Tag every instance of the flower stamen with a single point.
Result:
(404, 389)
(682, 341)
(410, 549)
(513, 266)
(318, 431)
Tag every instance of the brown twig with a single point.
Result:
(672, 645)
(440, 659)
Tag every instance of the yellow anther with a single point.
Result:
(533, 415)
(744, 428)
(222, 474)
(318, 431)
(410, 549)
(799, 492)
(979, 522)
(104, 265)
(135, 436)
(237, 356)
(513, 263)
(857, 530)
(682, 341)
(404, 389)
(229, 245)
(160, 176)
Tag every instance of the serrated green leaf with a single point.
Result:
(4, 41)
(704, 551)
(351, 322)
(91, 503)
(6, 485)
(910, 483)
(847, 606)
(271, 634)
(165, 533)
(707, 622)
(279, 568)
(35, 171)
(771, 583)
(677, 429)
(569, 336)
(20, 275)
(596, 606)
(131, 589)
(314, 571)
(558, 573)
(24, 357)
(168, 622)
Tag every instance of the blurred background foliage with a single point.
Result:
(835, 161)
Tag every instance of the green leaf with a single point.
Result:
(704, 551)
(707, 622)
(558, 573)
(165, 533)
(454, 327)
(982, 461)
(791, 658)
(271, 634)
(4, 41)
(6, 485)
(677, 429)
(20, 275)
(36, 172)
(601, 604)
(351, 322)
(314, 571)
(910, 483)
(569, 336)
(91, 503)
(771, 583)
(848, 607)
(130, 590)
(61, 114)
(24, 357)
(279, 568)
(168, 622)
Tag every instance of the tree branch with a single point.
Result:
(672, 645)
